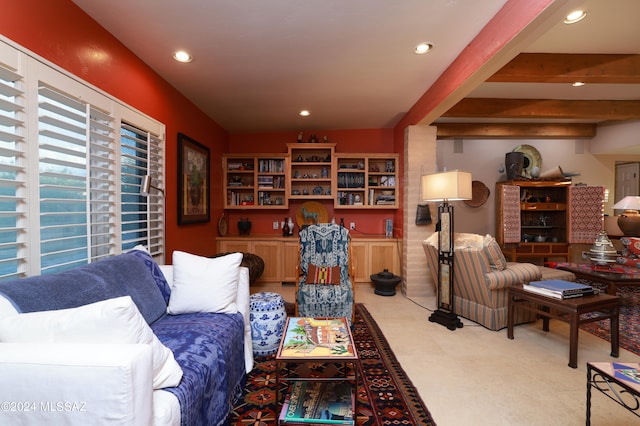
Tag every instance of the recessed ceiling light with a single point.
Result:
(578, 83)
(423, 48)
(182, 56)
(305, 113)
(575, 16)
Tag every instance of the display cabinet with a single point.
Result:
(541, 219)
(252, 181)
(311, 170)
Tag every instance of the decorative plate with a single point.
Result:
(311, 212)
(532, 158)
(222, 225)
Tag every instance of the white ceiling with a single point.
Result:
(351, 63)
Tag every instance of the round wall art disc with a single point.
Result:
(479, 194)
(532, 158)
(311, 212)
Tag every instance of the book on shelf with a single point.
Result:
(314, 402)
(317, 338)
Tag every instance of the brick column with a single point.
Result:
(419, 159)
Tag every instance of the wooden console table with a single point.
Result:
(371, 254)
(569, 311)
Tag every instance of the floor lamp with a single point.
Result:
(445, 187)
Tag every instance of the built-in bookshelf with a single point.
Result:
(252, 181)
(366, 181)
(311, 171)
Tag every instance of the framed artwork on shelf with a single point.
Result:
(193, 181)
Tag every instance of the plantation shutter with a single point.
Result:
(71, 162)
(142, 216)
(77, 182)
(13, 213)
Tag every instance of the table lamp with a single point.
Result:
(446, 186)
(629, 220)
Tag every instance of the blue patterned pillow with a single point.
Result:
(155, 271)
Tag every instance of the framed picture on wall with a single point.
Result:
(193, 181)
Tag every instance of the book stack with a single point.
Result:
(560, 289)
(319, 403)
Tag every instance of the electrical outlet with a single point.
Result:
(352, 226)
(275, 224)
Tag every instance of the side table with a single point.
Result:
(619, 382)
(567, 310)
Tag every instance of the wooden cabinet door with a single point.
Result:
(360, 260)
(384, 255)
(234, 246)
(291, 257)
(271, 254)
(508, 220)
(586, 218)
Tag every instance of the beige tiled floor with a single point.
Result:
(473, 376)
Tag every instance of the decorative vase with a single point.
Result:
(244, 226)
(629, 223)
(385, 283)
(514, 162)
(268, 317)
(195, 193)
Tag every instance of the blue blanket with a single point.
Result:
(210, 350)
(112, 277)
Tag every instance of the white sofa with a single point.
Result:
(92, 383)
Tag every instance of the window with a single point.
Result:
(71, 163)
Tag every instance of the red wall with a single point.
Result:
(62, 33)
(357, 140)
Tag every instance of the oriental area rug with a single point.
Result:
(385, 394)
(629, 318)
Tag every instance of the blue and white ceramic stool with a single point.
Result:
(268, 316)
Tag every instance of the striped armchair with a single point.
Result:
(481, 278)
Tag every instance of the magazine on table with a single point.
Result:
(319, 403)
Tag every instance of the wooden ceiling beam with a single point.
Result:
(568, 68)
(515, 130)
(500, 108)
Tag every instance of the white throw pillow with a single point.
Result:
(115, 320)
(202, 284)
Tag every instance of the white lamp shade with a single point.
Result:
(629, 202)
(452, 185)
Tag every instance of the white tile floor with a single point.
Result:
(474, 376)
